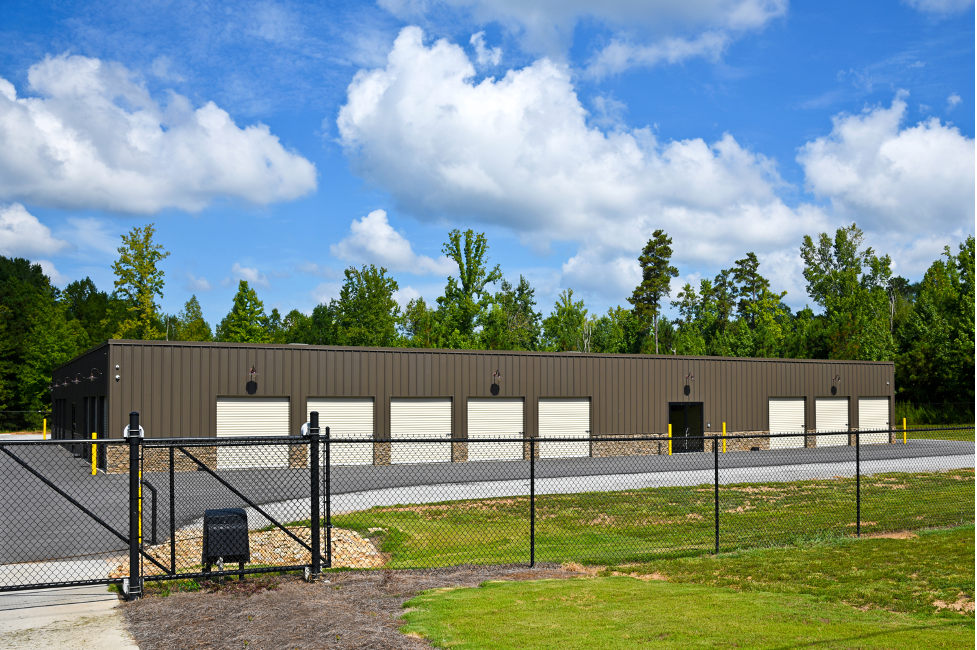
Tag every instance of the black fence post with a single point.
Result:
(858, 487)
(133, 433)
(328, 501)
(532, 502)
(715, 455)
(314, 501)
(172, 513)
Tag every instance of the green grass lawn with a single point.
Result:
(901, 575)
(642, 524)
(875, 593)
(912, 431)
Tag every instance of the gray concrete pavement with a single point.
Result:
(69, 618)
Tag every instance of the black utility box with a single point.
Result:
(225, 536)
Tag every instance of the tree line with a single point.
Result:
(866, 313)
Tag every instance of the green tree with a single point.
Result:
(936, 360)
(247, 321)
(138, 283)
(466, 298)
(656, 275)
(190, 324)
(693, 322)
(564, 328)
(511, 323)
(35, 337)
(368, 313)
(850, 284)
(53, 341)
(90, 307)
(420, 325)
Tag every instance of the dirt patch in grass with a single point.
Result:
(901, 534)
(354, 609)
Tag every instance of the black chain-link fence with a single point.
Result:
(210, 507)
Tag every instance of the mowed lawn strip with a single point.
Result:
(619, 612)
(639, 525)
(966, 434)
(931, 574)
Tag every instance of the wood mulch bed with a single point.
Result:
(349, 609)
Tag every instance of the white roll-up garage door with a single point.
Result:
(495, 418)
(346, 417)
(420, 418)
(252, 417)
(564, 418)
(786, 416)
(831, 414)
(873, 414)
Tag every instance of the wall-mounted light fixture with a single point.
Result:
(835, 380)
(91, 377)
(253, 372)
(76, 380)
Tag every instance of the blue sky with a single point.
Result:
(281, 142)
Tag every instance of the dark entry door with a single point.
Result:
(686, 421)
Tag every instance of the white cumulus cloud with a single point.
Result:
(485, 55)
(250, 274)
(372, 240)
(195, 284)
(644, 33)
(518, 152)
(23, 235)
(56, 278)
(941, 7)
(91, 136)
(911, 179)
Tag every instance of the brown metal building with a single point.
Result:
(190, 389)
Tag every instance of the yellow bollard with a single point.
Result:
(94, 453)
(44, 431)
(724, 437)
(669, 438)
(904, 431)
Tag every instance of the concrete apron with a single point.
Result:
(64, 618)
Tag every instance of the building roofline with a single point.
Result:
(293, 346)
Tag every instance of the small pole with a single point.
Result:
(328, 500)
(44, 430)
(172, 513)
(724, 437)
(532, 502)
(135, 522)
(314, 501)
(858, 488)
(715, 455)
(669, 438)
(904, 431)
(94, 454)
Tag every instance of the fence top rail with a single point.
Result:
(63, 442)
(649, 437)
